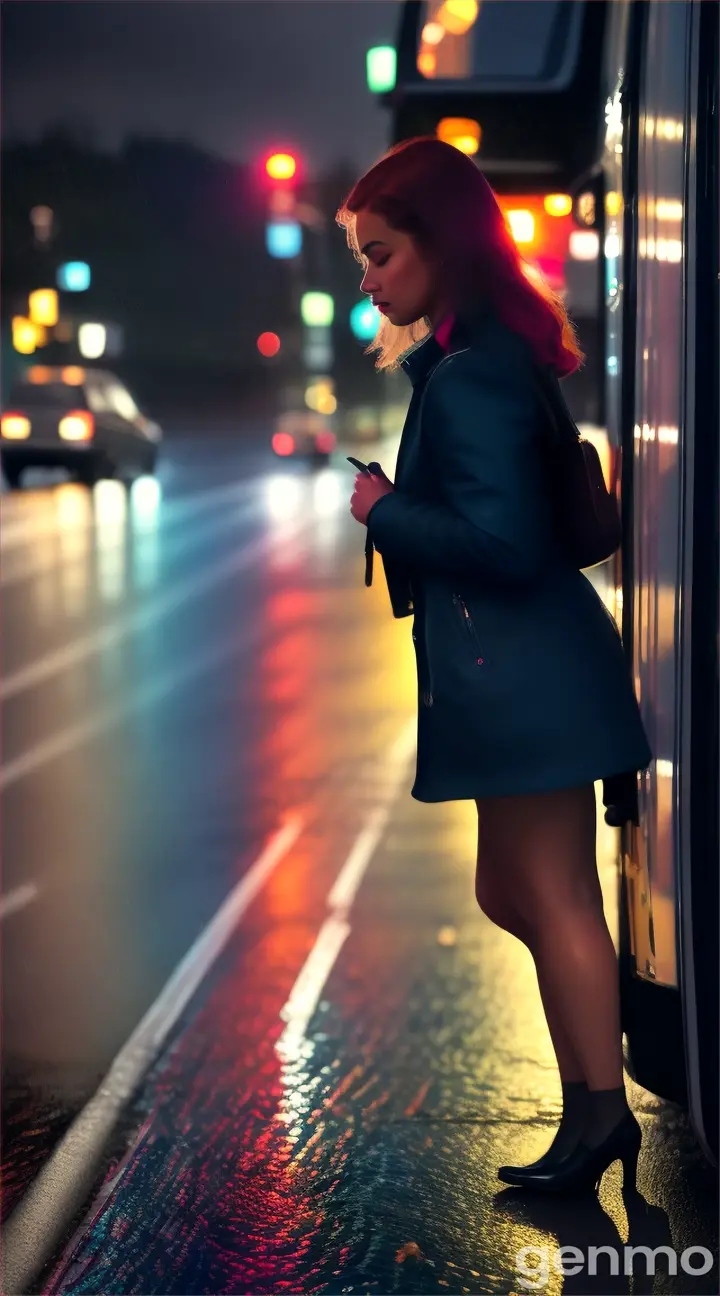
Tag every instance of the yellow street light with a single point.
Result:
(24, 335)
(44, 307)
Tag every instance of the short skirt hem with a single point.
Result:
(508, 786)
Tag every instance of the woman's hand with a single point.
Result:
(368, 490)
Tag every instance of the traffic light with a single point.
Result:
(317, 309)
(268, 344)
(74, 276)
(281, 167)
(283, 239)
(364, 321)
(381, 69)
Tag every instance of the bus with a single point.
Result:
(615, 103)
(654, 199)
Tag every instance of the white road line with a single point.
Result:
(36, 1225)
(305, 994)
(18, 899)
(104, 637)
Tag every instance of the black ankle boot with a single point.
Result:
(583, 1169)
(572, 1126)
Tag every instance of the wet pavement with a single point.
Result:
(237, 956)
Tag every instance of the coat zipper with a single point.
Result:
(470, 627)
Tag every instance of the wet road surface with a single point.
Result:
(257, 1036)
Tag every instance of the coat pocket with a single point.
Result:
(469, 629)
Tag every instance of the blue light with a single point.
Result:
(284, 239)
(74, 276)
(364, 321)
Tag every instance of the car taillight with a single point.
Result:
(78, 425)
(283, 443)
(325, 442)
(15, 427)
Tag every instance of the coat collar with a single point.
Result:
(423, 357)
(467, 327)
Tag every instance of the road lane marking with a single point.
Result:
(36, 1225)
(312, 979)
(18, 899)
(78, 650)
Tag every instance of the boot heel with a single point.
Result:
(629, 1165)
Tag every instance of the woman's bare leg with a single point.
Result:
(493, 898)
(546, 843)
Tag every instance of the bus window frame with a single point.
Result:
(413, 81)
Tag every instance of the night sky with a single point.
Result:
(233, 76)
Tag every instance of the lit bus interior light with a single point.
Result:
(522, 226)
(427, 63)
(669, 209)
(432, 33)
(73, 376)
(584, 245)
(39, 375)
(613, 203)
(662, 249)
(458, 16)
(586, 208)
(558, 204)
(462, 132)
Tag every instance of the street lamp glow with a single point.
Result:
(381, 68)
(74, 276)
(317, 309)
(24, 335)
(44, 307)
(92, 340)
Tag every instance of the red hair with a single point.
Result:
(433, 192)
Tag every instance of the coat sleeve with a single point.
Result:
(491, 520)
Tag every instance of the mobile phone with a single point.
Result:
(361, 467)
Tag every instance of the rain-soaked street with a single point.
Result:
(258, 1037)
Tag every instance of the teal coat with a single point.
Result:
(523, 684)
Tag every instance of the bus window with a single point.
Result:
(459, 39)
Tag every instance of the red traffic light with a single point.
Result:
(281, 166)
(268, 344)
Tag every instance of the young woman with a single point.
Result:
(525, 697)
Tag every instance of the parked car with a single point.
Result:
(81, 419)
(301, 434)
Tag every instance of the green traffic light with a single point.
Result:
(381, 65)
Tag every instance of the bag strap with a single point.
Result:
(553, 401)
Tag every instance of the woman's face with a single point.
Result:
(401, 283)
